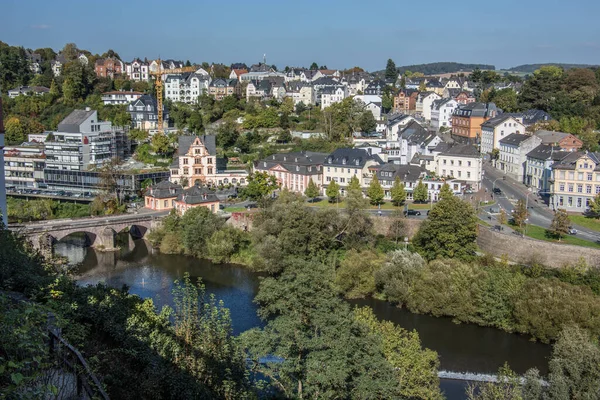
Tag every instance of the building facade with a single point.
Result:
(513, 154)
(118, 97)
(497, 128)
(162, 196)
(144, 113)
(341, 165)
(462, 162)
(196, 196)
(441, 113)
(294, 171)
(575, 181)
(467, 121)
(220, 88)
(24, 165)
(424, 102)
(109, 67)
(185, 87)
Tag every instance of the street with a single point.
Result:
(539, 213)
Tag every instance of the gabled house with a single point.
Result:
(116, 97)
(409, 175)
(372, 103)
(467, 120)
(221, 88)
(463, 162)
(424, 102)
(144, 113)
(237, 73)
(109, 67)
(497, 128)
(196, 196)
(395, 124)
(57, 64)
(538, 165)
(565, 141)
(162, 196)
(375, 88)
(341, 165)
(406, 101)
(415, 139)
(441, 113)
(300, 92)
(435, 86)
(138, 70)
(332, 94)
(185, 87)
(513, 154)
(294, 171)
(28, 90)
(532, 117)
(575, 181)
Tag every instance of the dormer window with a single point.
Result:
(265, 163)
(357, 162)
(344, 161)
(297, 168)
(330, 160)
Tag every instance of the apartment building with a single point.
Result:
(463, 162)
(575, 181)
(513, 154)
(24, 165)
(538, 166)
(497, 128)
(341, 165)
(220, 88)
(117, 97)
(441, 113)
(467, 120)
(294, 171)
(185, 87)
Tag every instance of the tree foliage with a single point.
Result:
(333, 191)
(420, 193)
(312, 190)
(559, 227)
(375, 191)
(390, 70)
(260, 185)
(398, 193)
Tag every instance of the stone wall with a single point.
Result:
(525, 250)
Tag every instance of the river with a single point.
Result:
(147, 273)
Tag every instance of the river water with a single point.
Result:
(147, 273)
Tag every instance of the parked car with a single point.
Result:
(411, 212)
(497, 191)
(572, 231)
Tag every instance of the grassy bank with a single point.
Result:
(537, 232)
(589, 223)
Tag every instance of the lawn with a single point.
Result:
(537, 232)
(589, 223)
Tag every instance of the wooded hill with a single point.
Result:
(530, 68)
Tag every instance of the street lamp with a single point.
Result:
(405, 243)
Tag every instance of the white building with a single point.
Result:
(341, 165)
(513, 154)
(301, 92)
(441, 113)
(120, 97)
(462, 162)
(332, 94)
(185, 87)
(24, 165)
(395, 124)
(371, 103)
(424, 102)
(497, 128)
(137, 70)
(26, 90)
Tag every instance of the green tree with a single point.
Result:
(506, 99)
(508, 387)
(312, 190)
(355, 275)
(314, 66)
(520, 214)
(422, 86)
(300, 108)
(227, 135)
(559, 227)
(397, 230)
(15, 131)
(54, 91)
(495, 155)
(541, 90)
(445, 191)
(333, 191)
(260, 185)
(160, 143)
(398, 193)
(449, 231)
(224, 243)
(595, 206)
(375, 191)
(415, 366)
(139, 135)
(390, 70)
(367, 121)
(194, 123)
(198, 224)
(502, 219)
(354, 183)
(420, 193)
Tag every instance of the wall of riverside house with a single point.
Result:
(3, 209)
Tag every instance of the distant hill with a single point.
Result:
(530, 68)
(439, 68)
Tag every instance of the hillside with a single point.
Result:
(530, 68)
(439, 68)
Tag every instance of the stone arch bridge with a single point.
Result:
(101, 232)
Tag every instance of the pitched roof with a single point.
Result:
(494, 122)
(298, 163)
(515, 139)
(462, 150)
(475, 109)
(197, 195)
(164, 190)
(551, 137)
(76, 118)
(406, 173)
(546, 152)
(185, 141)
(348, 157)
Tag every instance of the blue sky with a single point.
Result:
(336, 33)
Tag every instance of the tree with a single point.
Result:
(397, 230)
(260, 185)
(198, 224)
(354, 277)
(449, 231)
(333, 191)
(398, 193)
(54, 91)
(445, 191)
(109, 180)
(139, 135)
(375, 191)
(160, 143)
(367, 122)
(15, 131)
(312, 190)
(502, 217)
(595, 206)
(390, 70)
(354, 183)
(495, 155)
(415, 366)
(541, 90)
(422, 86)
(420, 193)
(560, 224)
(314, 66)
(194, 123)
(227, 135)
(70, 51)
(355, 200)
(520, 214)
(506, 99)
(300, 108)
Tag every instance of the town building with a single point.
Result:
(196, 164)
(424, 102)
(109, 67)
(497, 128)
(220, 88)
(565, 141)
(28, 90)
(575, 181)
(237, 73)
(162, 196)
(441, 113)
(513, 154)
(332, 94)
(138, 70)
(186, 87)
(144, 113)
(117, 97)
(341, 165)
(462, 162)
(82, 142)
(467, 120)
(294, 171)
(301, 92)
(24, 165)
(57, 64)
(372, 103)
(405, 101)
(415, 139)
(395, 124)
(538, 166)
(196, 196)
(3, 210)
(375, 88)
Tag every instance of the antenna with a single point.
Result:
(265, 59)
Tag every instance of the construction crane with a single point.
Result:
(158, 82)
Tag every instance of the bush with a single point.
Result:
(355, 276)
(224, 243)
(398, 274)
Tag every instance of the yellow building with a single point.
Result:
(575, 181)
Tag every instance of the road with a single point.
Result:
(539, 213)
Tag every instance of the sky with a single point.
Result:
(339, 34)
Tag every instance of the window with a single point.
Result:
(570, 188)
(580, 176)
(459, 163)
(328, 169)
(468, 163)
(166, 203)
(561, 187)
(561, 201)
(571, 175)
(579, 202)
(328, 179)
(589, 176)
(579, 188)
(570, 201)
(185, 161)
(468, 174)
(588, 189)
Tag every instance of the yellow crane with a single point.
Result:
(158, 82)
